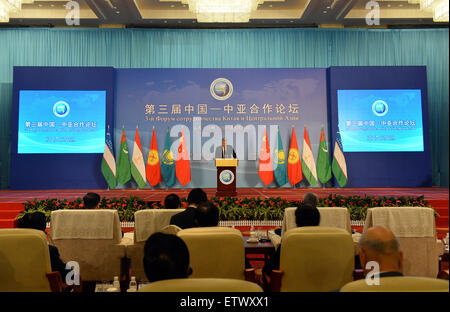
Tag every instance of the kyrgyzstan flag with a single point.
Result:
(265, 169)
(182, 167)
(152, 169)
(294, 167)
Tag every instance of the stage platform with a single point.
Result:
(11, 200)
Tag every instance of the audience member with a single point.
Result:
(91, 201)
(172, 201)
(380, 244)
(207, 214)
(37, 221)
(166, 256)
(186, 218)
(309, 199)
(304, 216)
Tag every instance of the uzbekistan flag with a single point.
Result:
(137, 164)
(339, 167)
(109, 163)
(308, 164)
(153, 170)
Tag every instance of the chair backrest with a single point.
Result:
(316, 259)
(149, 221)
(202, 285)
(24, 261)
(399, 284)
(92, 238)
(415, 229)
(338, 217)
(215, 252)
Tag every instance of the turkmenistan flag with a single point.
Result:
(323, 161)
(280, 172)
(123, 162)
(137, 164)
(109, 163)
(339, 166)
(308, 164)
(167, 162)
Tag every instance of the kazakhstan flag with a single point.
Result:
(280, 172)
(168, 163)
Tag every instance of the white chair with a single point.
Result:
(415, 229)
(399, 284)
(90, 237)
(146, 223)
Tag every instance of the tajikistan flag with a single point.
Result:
(108, 162)
(308, 163)
(339, 167)
(137, 164)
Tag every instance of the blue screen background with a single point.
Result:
(362, 130)
(40, 131)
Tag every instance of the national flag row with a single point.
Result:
(294, 169)
(169, 169)
(153, 170)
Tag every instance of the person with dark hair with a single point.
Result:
(309, 199)
(91, 201)
(37, 221)
(166, 256)
(186, 218)
(207, 214)
(305, 215)
(172, 201)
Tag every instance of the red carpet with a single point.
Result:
(10, 201)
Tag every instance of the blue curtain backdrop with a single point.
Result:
(134, 48)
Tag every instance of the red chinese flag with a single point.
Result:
(152, 169)
(294, 167)
(182, 167)
(265, 169)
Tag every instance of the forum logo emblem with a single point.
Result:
(226, 177)
(221, 89)
(380, 108)
(61, 109)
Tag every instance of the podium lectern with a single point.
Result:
(226, 176)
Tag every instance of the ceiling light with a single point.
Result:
(219, 11)
(438, 7)
(10, 6)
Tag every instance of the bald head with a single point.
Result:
(380, 244)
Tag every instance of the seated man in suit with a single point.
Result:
(186, 218)
(380, 244)
(166, 256)
(304, 216)
(225, 151)
(37, 221)
(172, 201)
(91, 201)
(309, 199)
(207, 214)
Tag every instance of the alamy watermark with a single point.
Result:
(73, 16)
(373, 17)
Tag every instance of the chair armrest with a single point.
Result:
(276, 240)
(358, 274)
(275, 280)
(439, 247)
(250, 275)
(55, 281)
(443, 274)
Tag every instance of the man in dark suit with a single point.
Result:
(225, 151)
(186, 218)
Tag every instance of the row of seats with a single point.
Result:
(93, 238)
